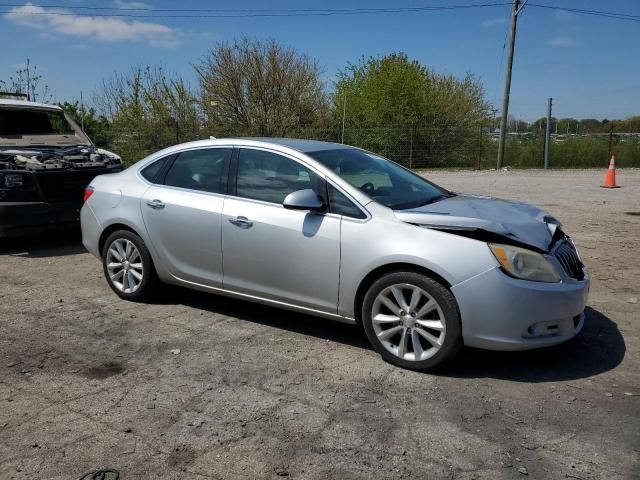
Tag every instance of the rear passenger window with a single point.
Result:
(199, 170)
(340, 204)
(271, 177)
(150, 172)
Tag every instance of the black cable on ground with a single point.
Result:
(103, 474)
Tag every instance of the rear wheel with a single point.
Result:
(128, 267)
(412, 320)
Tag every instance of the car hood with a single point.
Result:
(477, 216)
(44, 141)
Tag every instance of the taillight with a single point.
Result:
(88, 191)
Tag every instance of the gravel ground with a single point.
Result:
(88, 381)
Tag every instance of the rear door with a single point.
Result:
(182, 214)
(289, 256)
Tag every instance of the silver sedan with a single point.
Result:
(341, 233)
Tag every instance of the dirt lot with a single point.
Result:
(88, 381)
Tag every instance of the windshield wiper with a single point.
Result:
(411, 205)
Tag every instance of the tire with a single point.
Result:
(390, 320)
(125, 246)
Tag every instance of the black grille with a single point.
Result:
(66, 185)
(568, 258)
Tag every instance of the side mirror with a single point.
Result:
(304, 200)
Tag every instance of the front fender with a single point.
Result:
(367, 246)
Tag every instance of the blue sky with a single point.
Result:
(589, 65)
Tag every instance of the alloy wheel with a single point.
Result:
(124, 265)
(408, 322)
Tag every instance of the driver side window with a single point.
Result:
(368, 176)
(271, 177)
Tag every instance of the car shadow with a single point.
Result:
(599, 348)
(300, 323)
(56, 244)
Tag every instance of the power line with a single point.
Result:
(499, 76)
(247, 13)
(152, 12)
(231, 13)
(223, 10)
(597, 13)
(305, 11)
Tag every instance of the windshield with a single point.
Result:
(33, 122)
(382, 180)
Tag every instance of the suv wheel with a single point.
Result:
(127, 266)
(412, 321)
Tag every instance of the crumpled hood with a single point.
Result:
(518, 221)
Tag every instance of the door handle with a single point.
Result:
(242, 222)
(155, 204)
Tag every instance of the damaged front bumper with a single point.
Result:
(499, 312)
(28, 218)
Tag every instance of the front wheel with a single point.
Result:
(128, 267)
(412, 321)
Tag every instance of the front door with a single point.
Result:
(288, 256)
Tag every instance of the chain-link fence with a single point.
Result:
(476, 146)
(415, 146)
(420, 146)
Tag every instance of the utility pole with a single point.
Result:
(344, 114)
(81, 112)
(29, 96)
(507, 80)
(547, 136)
(480, 148)
(410, 145)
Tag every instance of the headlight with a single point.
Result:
(524, 264)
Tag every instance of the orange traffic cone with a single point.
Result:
(610, 177)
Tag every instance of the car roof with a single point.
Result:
(298, 144)
(282, 144)
(6, 102)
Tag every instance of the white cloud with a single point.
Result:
(563, 41)
(107, 29)
(494, 22)
(131, 5)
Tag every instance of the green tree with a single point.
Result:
(96, 126)
(568, 125)
(393, 104)
(590, 125)
(149, 110)
(260, 88)
(628, 125)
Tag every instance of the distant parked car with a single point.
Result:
(46, 160)
(344, 234)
